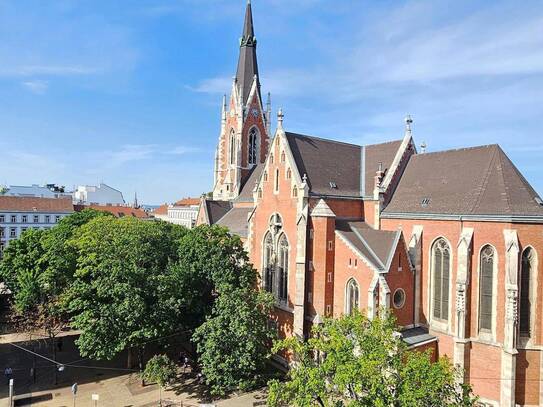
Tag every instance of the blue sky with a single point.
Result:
(129, 92)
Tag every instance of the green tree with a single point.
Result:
(234, 343)
(355, 361)
(119, 284)
(209, 260)
(161, 370)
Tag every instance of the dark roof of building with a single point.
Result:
(376, 246)
(236, 221)
(416, 336)
(36, 204)
(247, 63)
(334, 168)
(469, 181)
(246, 193)
(216, 209)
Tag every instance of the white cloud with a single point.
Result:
(38, 87)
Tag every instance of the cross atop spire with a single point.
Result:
(247, 64)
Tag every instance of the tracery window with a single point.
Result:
(486, 290)
(352, 296)
(276, 260)
(441, 254)
(528, 268)
(232, 149)
(253, 137)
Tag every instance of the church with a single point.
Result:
(449, 241)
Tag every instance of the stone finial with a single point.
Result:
(280, 117)
(379, 174)
(408, 122)
(304, 178)
(423, 147)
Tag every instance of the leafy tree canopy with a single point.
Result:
(235, 341)
(355, 361)
(161, 370)
(116, 298)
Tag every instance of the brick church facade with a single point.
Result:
(449, 241)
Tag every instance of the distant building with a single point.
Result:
(97, 195)
(118, 211)
(35, 190)
(183, 212)
(19, 213)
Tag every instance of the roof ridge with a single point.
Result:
(321, 138)
(484, 183)
(451, 150)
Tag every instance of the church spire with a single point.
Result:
(247, 64)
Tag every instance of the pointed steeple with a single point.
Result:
(247, 64)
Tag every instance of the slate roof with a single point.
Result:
(246, 193)
(236, 221)
(416, 336)
(35, 204)
(470, 181)
(216, 209)
(247, 63)
(325, 161)
(376, 246)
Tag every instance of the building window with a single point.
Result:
(294, 192)
(2, 218)
(260, 192)
(2, 232)
(265, 175)
(13, 218)
(351, 297)
(441, 253)
(271, 158)
(289, 173)
(232, 148)
(253, 137)
(283, 157)
(283, 268)
(486, 276)
(57, 219)
(36, 218)
(398, 299)
(276, 188)
(328, 310)
(356, 262)
(350, 262)
(329, 277)
(330, 245)
(47, 219)
(25, 219)
(13, 232)
(527, 274)
(269, 271)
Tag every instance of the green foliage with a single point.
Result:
(234, 342)
(354, 361)
(116, 298)
(161, 370)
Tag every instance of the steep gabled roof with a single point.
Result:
(349, 167)
(246, 193)
(236, 221)
(469, 181)
(216, 209)
(375, 246)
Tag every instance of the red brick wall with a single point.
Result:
(528, 377)
(405, 280)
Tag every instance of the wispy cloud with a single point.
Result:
(38, 87)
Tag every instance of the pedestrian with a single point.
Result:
(8, 372)
(185, 364)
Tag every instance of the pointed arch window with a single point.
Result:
(283, 268)
(486, 288)
(441, 253)
(289, 173)
(526, 287)
(232, 147)
(276, 186)
(269, 270)
(352, 296)
(253, 143)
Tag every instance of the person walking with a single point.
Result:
(8, 372)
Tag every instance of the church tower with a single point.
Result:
(245, 123)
